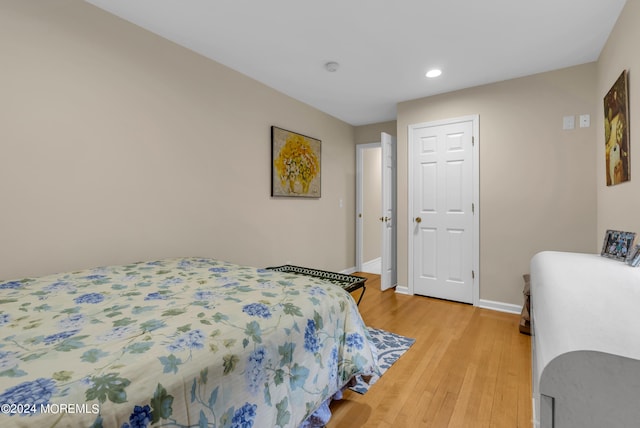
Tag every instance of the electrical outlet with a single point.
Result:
(585, 121)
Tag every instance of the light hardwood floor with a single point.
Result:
(469, 367)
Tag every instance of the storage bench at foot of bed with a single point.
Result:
(350, 283)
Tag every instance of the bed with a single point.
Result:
(585, 347)
(177, 342)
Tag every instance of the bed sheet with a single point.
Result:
(177, 342)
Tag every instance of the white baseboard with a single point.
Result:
(485, 304)
(373, 266)
(500, 306)
(402, 290)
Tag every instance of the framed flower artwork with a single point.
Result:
(295, 164)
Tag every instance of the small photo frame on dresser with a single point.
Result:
(634, 256)
(617, 244)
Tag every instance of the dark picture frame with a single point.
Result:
(617, 244)
(616, 132)
(295, 164)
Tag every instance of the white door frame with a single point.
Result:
(476, 198)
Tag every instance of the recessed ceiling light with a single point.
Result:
(434, 73)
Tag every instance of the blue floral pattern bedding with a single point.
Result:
(177, 343)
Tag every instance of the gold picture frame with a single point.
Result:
(295, 164)
(616, 132)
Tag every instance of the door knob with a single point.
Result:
(381, 218)
(418, 220)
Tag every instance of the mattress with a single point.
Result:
(175, 342)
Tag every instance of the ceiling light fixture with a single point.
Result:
(433, 73)
(332, 66)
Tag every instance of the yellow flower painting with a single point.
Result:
(295, 164)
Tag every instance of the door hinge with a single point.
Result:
(473, 274)
(473, 141)
(473, 208)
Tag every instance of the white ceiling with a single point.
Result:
(384, 47)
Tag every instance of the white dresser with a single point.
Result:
(585, 315)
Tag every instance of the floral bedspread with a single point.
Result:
(177, 343)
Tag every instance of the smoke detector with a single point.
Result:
(332, 66)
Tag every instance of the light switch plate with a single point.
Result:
(568, 122)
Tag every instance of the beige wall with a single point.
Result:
(371, 204)
(117, 145)
(619, 206)
(536, 180)
(371, 133)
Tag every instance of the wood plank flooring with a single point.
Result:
(469, 367)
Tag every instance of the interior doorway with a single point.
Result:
(376, 231)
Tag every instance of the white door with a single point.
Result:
(443, 194)
(366, 215)
(388, 277)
